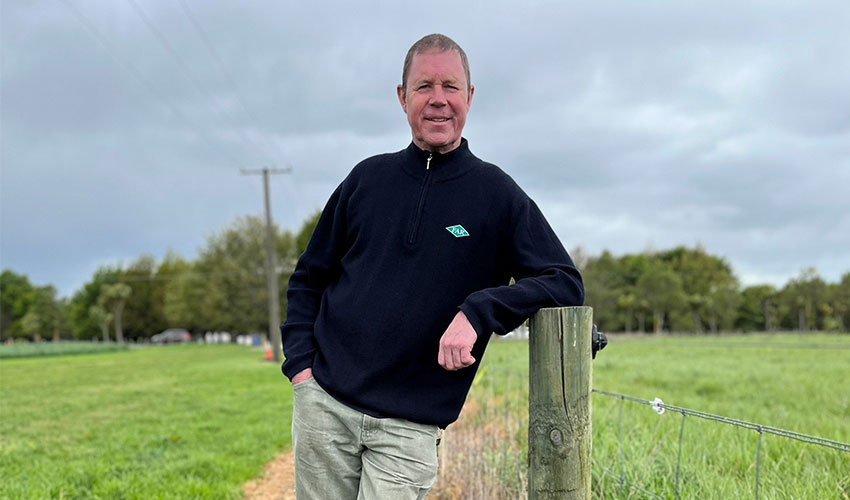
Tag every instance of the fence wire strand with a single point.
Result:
(761, 429)
(805, 438)
(758, 462)
(679, 460)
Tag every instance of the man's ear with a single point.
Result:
(402, 98)
(469, 97)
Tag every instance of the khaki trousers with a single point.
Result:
(343, 454)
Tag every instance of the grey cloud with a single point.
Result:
(631, 124)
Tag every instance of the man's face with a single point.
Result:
(437, 100)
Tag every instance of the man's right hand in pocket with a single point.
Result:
(302, 376)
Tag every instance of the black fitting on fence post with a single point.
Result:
(598, 341)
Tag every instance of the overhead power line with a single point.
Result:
(210, 99)
(114, 54)
(292, 195)
(121, 278)
(223, 69)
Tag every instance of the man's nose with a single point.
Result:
(438, 97)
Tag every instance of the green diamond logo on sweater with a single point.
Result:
(458, 231)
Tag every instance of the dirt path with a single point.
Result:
(277, 483)
(278, 479)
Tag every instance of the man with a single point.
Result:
(403, 282)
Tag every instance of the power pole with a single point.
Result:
(271, 258)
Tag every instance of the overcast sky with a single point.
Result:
(633, 124)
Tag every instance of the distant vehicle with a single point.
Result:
(172, 336)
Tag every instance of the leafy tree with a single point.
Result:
(803, 299)
(306, 232)
(696, 303)
(143, 313)
(604, 283)
(627, 303)
(287, 253)
(840, 302)
(758, 309)
(83, 325)
(610, 285)
(114, 297)
(103, 318)
(722, 305)
(227, 285)
(183, 294)
(16, 296)
(31, 326)
(661, 287)
(711, 288)
(44, 316)
(634, 266)
(580, 258)
(643, 311)
(233, 264)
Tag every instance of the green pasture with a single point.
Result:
(33, 349)
(196, 422)
(793, 382)
(177, 422)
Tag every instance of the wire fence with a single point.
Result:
(756, 345)
(660, 407)
(485, 454)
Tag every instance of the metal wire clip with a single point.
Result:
(657, 405)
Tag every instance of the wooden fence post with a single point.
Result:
(559, 424)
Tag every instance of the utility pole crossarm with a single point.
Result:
(261, 171)
(271, 258)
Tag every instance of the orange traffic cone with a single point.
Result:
(269, 356)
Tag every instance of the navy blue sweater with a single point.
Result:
(405, 241)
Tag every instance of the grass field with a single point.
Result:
(196, 422)
(30, 350)
(176, 422)
(798, 383)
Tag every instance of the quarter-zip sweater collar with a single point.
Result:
(443, 166)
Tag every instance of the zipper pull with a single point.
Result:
(428, 162)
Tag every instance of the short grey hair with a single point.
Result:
(438, 42)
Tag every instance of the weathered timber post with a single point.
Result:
(559, 416)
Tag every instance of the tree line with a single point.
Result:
(689, 290)
(224, 289)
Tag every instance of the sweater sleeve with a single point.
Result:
(544, 273)
(318, 267)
